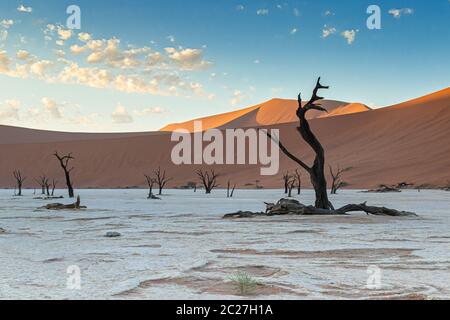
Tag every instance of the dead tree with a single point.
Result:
(19, 181)
(317, 170)
(208, 179)
(54, 183)
(151, 183)
(43, 183)
(286, 178)
(298, 177)
(336, 176)
(230, 195)
(291, 184)
(161, 179)
(64, 162)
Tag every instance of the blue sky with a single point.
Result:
(137, 65)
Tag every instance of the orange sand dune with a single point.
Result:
(275, 111)
(406, 142)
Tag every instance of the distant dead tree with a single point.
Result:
(43, 183)
(151, 183)
(337, 181)
(19, 181)
(230, 195)
(298, 177)
(54, 183)
(208, 179)
(161, 179)
(286, 178)
(291, 184)
(317, 170)
(64, 162)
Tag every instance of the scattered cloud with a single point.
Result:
(294, 31)
(4, 62)
(350, 35)
(397, 13)
(240, 7)
(24, 9)
(22, 54)
(262, 12)
(148, 111)
(296, 12)
(6, 23)
(328, 31)
(9, 110)
(52, 107)
(171, 38)
(121, 115)
(328, 13)
(188, 59)
(237, 98)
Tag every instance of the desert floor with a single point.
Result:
(180, 247)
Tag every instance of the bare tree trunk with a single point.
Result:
(298, 176)
(316, 172)
(64, 162)
(54, 183)
(286, 182)
(19, 181)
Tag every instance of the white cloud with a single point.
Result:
(328, 31)
(22, 54)
(4, 62)
(294, 31)
(148, 111)
(171, 38)
(328, 13)
(237, 98)
(84, 36)
(188, 59)
(397, 13)
(6, 23)
(9, 110)
(52, 107)
(262, 12)
(241, 7)
(350, 35)
(3, 35)
(24, 9)
(121, 115)
(296, 12)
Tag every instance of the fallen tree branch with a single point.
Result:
(293, 207)
(59, 206)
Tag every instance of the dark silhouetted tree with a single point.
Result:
(336, 176)
(208, 179)
(161, 179)
(64, 161)
(316, 171)
(19, 181)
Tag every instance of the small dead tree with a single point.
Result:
(208, 179)
(64, 162)
(337, 181)
(161, 179)
(43, 182)
(151, 183)
(291, 184)
(286, 178)
(298, 177)
(19, 181)
(54, 183)
(230, 195)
